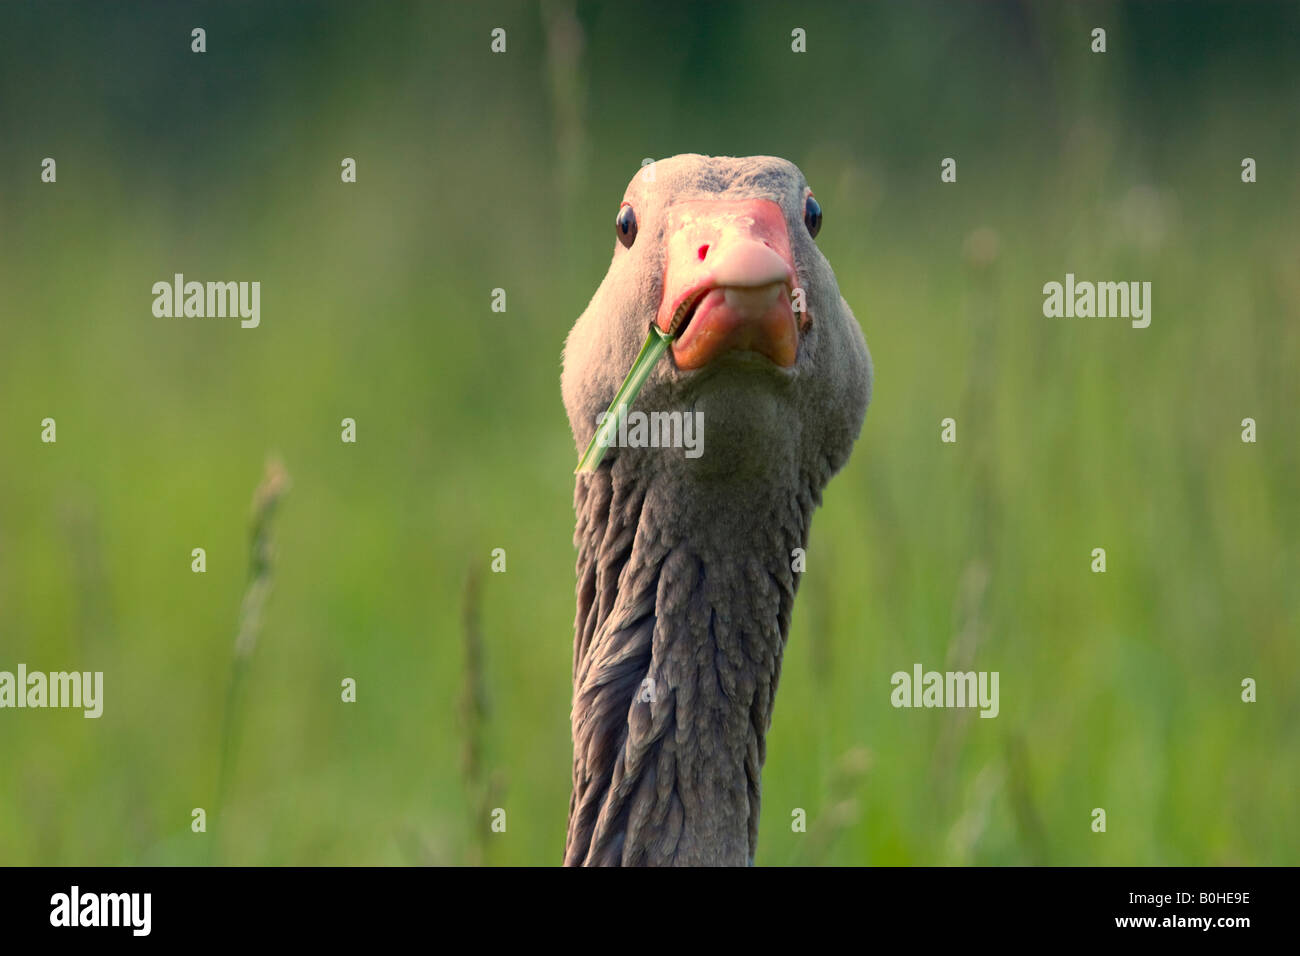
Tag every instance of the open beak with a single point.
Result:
(728, 278)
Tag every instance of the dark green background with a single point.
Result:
(479, 171)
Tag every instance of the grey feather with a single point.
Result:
(684, 565)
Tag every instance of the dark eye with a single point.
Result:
(812, 216)
(625, 226)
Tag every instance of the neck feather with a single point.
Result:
(684, 599)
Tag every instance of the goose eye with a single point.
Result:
(625, 226)
(812, 216)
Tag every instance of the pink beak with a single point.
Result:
(728, 278)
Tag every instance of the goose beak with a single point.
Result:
(728, 278)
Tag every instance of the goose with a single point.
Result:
(686, 565)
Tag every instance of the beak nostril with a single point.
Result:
(703, 251)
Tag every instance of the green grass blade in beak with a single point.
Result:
(656, 344)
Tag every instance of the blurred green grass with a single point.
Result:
(477, 172)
